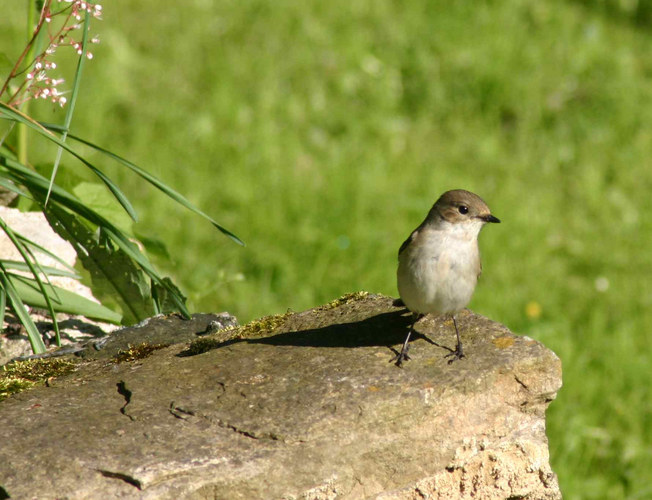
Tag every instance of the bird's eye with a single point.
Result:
(463, 209)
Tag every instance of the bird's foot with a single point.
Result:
(456, 354)
(401, 356)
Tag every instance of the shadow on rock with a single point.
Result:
(384, 329)
(379, 330)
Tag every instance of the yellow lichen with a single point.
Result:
(21, 375)
(256, 328)
(503, 342)
(262, 326)
(140, 351)
(345, 299)
(13, 385)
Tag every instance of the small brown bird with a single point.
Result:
(439, 264)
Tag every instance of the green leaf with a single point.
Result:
(95, 197)
(163, 299)
(115, 278)
(62, 300)
(154, 246)
(38, 186)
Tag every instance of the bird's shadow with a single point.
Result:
(385, 329)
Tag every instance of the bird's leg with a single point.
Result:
(457, 353)
(403, 355)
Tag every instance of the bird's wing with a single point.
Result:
(408, 241)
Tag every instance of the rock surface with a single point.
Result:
(307, 408)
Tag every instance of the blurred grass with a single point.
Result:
(321, 133)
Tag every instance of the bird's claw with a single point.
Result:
(455, 355)
(401, 356)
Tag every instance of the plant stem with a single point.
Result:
(22, 130)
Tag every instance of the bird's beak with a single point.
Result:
(489, 218)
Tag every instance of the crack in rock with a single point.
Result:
(523, 384)
(180, 413)
(126, 393)
(122, 476)
(250, 434)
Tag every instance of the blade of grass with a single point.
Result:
(10, 113)
(30, 244)
(19, 308)
(68, 302)
(18, 265)
(10, 186)
(4, 137)
(35, 273)
(176, 196)
(3, 305)
(36, 262)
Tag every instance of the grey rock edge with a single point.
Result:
(310, 409)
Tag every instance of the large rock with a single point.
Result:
(308, 408)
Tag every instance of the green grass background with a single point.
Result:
(322, 132)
